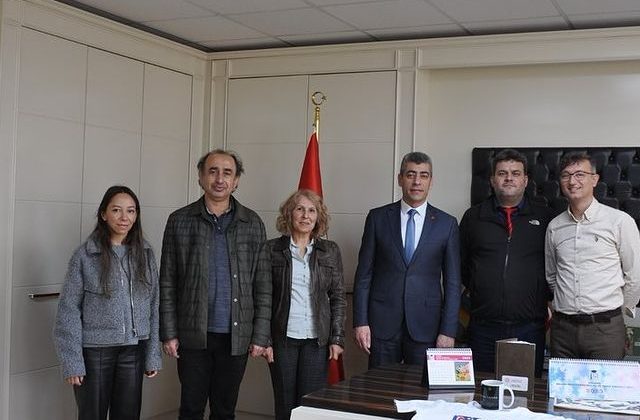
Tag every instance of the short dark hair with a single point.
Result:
(415, 157)
(234, 155)
(508, 154)
(570, 158)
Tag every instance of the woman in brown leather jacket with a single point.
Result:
(303, 274)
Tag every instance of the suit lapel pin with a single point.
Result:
(534, 222)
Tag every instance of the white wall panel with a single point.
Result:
(269, 219)
(164, 172)
(45, 236)
(162, 393)
(590, 104)
(540, 103)
(41, 394)
(49, 150)
(360, 107)
(256, 388)
(357, 176)
(114, 91)
(154, 220)
(65, 159)
(357, 153)
(77, 25)
(88, 219)
(110, 157)
(355, 360)
(317, 60)
(272, 173)
(167, 104)
(611, 44)
(48, 159)
(9, 51)
(52, 76)
(269, 110)
(346, 231)
(31, 330)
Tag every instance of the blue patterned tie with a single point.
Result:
(410, 236)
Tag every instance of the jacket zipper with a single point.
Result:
(504, 272)
(133, 320)
(506, 259)
(122, 275)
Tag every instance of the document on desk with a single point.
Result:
(595, 385)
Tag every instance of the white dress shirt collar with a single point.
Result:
(588, 214)
(421, 209)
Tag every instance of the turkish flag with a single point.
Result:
(310, 179)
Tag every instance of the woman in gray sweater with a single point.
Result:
(106, 331)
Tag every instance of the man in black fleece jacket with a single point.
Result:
(502, 250)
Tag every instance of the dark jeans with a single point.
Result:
(299, 367)
(113, 383)
(484, 334)
(400, 348)
(211, 374)
(599, 340)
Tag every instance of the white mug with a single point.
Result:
(493, 394)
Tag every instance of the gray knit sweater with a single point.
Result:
(87, 317)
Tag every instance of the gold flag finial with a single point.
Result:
(317, 98)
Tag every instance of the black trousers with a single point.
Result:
(113, 383)
(483, 336)
(213, 375)
(400, 348)
(299, 367)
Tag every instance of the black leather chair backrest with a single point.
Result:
(619, 169)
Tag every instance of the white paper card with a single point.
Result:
(517, 383)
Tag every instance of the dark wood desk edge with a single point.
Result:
(369, 394)
(362, 394)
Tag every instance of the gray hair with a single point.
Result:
(415, 157)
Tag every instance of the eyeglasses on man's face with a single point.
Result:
(578, 175)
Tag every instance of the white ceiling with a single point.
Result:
(224, 25)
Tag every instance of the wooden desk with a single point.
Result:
(372, 393)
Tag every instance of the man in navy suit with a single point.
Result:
(407, 285)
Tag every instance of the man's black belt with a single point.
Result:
(601, 317)
(504, 322)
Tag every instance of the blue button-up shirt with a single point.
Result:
(301, 323)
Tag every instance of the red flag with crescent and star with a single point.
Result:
(310, 179)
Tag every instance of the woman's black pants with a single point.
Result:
(113, 383)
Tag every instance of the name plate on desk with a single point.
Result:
(595, 385)
(449, 368)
